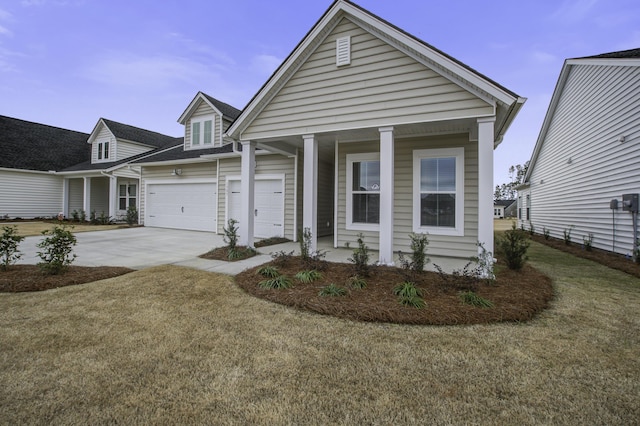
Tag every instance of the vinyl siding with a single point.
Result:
(76, 195)
(104, 135)
(598, 105)
(265, 165)
(28, 195)
(440, 245)
(99, 196)
(382, 86)
(126, 149)
(201, 111)
(163, 173)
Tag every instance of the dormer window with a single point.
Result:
(201, 132)
(103, 150)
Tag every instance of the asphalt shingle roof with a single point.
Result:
(33, 146)
(622, 54)
(136, 134)
(227, 110)
(178, 153)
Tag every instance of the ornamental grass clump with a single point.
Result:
(333, 290)
(471, 298)
(409, 295)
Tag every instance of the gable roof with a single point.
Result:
(176, 154)
(504, 203)
(227, 111)
(133, 134)
(32, 146)
(629, 57)
(431, 57)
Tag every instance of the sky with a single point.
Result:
(66, 63)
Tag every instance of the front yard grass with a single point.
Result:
(28, 228)
(176, 345)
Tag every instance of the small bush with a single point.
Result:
(567, 235)
(588, 241)
(103, 219)
(357, 282)
(409, 295)
(460, 279)
(9, 241)
(532, 229)
(57, 250)
(312, 259)
(514, 245)
(308, 276)
(636, 252)
(231, 234)
(485, 260)
(471, 298)
(360, 257)
(240, 252)
(545, 233)
(279, 282)
(281, 258)
(418, 257)
(332, 290)
(269, 271)
(132, 215)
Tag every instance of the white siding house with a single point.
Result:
(408, 131)
(587, 153)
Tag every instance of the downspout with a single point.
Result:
(217, 190)
(295, 197)
(335, 195)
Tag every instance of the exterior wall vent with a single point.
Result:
(343, 51)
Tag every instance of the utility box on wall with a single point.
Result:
(630, 202)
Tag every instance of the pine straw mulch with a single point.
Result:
(222, 253)
(606, 258)
(516, 295)
(20, 278)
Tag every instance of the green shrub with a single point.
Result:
(308, 276)
(279, 282)
(132, 215)
(418, 257)
(409, 295)
(532, 229)
(269, 271)
(57, 250)
(357, 282)
(332, 290)
(360, 257)
(460, 279)
(312, 259)
(545, 232)
(567, 235)
(231, 234)
(513, 245)
(484, 260)
(471, 298)
(103, 219)
(281, 258)
(588, 241)
(9, 241)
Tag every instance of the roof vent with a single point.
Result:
(343, 51)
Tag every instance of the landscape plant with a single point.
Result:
(269, 271)
(408, 294)
(485, 261)
(132, 215)
(471, 298)
(57, 250)
(332, 290)
(281, 258)
(514, 245)
(231, 238)
(587, 241)
(566, 235)
(279, 282)
(356, 281)
(360, 258)
(9, 242)
(308, 276)
(545, 233)
(313, 259)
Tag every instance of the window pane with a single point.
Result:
(123, 204)
(122, 190)
(132, 202)
(438, 210)
(106, 150)
(366, 176)
(132, 190)
(195, 133)
(366, 208)
(438, 174)
(207, 131)
(99, 151)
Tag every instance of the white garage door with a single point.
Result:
(269, 207)
(182, 206)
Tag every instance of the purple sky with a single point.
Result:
(67, 63)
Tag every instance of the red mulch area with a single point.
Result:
(606, 258)
(19, 278)
(516, 295)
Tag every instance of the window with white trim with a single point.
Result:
(127, 196)
(363, 191)
(103, 150)
(202, 132)
(438, 191)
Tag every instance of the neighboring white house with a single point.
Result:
(501, 207)
(588, 154)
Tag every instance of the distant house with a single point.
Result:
(503, 208)
(587, 154)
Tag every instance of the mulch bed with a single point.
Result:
(222, 253)
(19, 278)
(516, 295)
(606, 258)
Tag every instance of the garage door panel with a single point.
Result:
(269, 206)
(190, 206)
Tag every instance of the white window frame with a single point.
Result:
(420, 154)
(202, 142)
(127, 195)
(357, 158)
(103, 151)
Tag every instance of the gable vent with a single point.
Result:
(343, 51)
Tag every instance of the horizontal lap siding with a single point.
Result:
(598, 104)
(29, 195)
(76, 195)
(126, 150)
(104, 135)
(381, 86)
(450, 246)
(189, 171)
(203, 110)
(99, 196)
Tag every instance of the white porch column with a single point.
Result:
(386, 195)
(485, 182)
(65, 197)
(310, 189)
(86, 202)
(113, 196)
(247, 191)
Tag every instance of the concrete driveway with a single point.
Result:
(142, 247)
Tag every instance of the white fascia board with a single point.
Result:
(259, 153)
(192, 106)
(555, 98)
(40, 172)
(94, 132)
(200, 159)
(611, 62)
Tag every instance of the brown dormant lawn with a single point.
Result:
(28, 228)
(180, 346)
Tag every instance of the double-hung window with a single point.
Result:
(127, 196)
(363, 191)
(201, 132)
(438, 191)
(103, 150)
